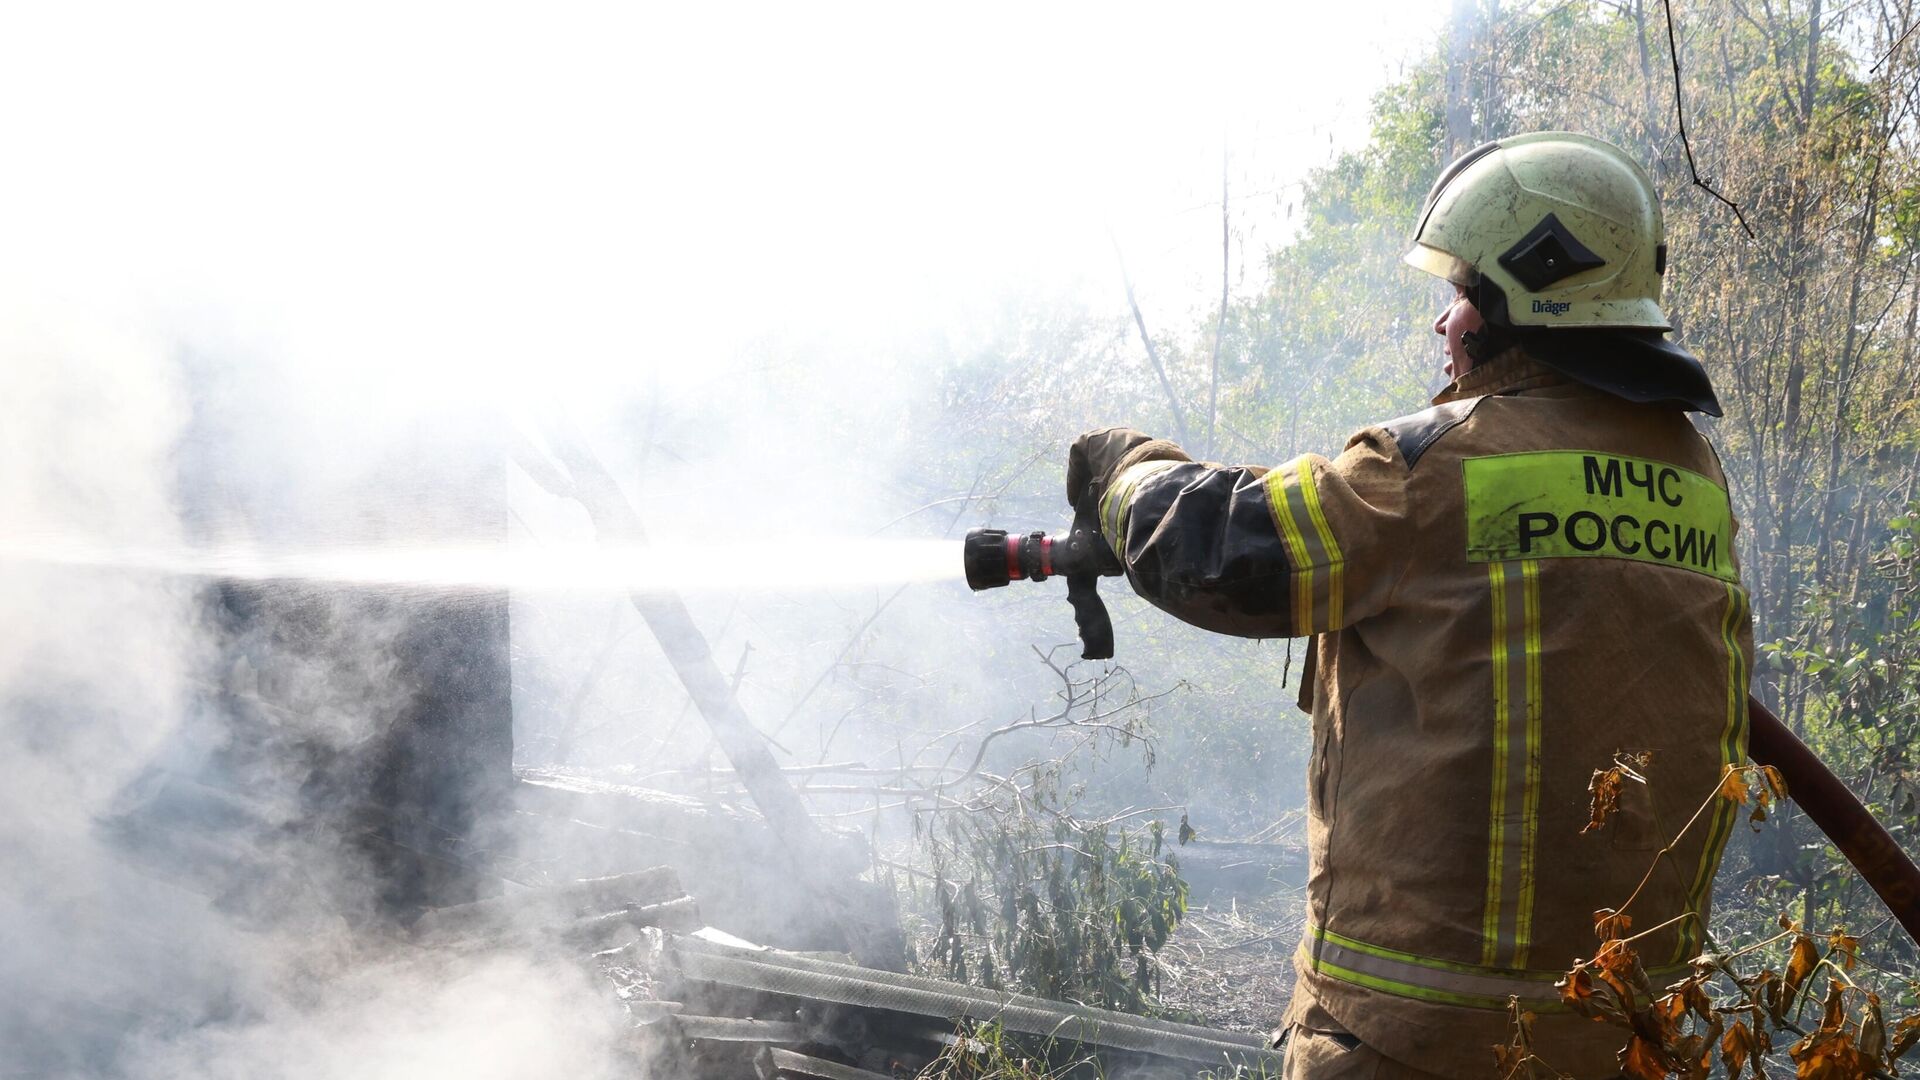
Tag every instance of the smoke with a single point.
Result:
(277, 289)
(483, 1016)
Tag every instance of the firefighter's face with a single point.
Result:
(1460, 318)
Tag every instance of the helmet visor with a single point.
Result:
(1441, 265)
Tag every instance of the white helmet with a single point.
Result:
(1558, 239)
(1567, 228)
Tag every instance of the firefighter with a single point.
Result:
(1503, 592)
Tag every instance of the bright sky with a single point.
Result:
(416, 188)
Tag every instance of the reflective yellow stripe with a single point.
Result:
(1514, 804)
(1336, 563)
(1496, 828)
(1294, 501)
(1426, 978)
(1116, 505)
(1302, 583)
(1523, 934)
(1732, 751)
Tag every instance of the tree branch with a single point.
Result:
(1680, 113)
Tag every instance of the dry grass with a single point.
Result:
(1230, 964)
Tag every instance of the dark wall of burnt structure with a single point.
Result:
(385, 718)
(351, 749)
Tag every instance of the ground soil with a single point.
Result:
(1230, 964)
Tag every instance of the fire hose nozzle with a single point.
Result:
(993, 558)
(985, 556)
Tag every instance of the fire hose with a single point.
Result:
(994, 558)
(1839, 813)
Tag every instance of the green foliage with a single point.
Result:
(990, 1052)
(1045, 903)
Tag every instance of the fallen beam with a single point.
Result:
(774, 1063)
(734, 1029)
(559, 907)
(615, 928)
(772, 972)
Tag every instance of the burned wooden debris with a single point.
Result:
(705, 1004)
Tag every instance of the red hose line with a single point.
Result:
(1835, 809)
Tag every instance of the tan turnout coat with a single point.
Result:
(1505, 592)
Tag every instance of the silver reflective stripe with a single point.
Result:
(1445, 982)
(1432, 980)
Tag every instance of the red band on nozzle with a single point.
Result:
(1013, 559)
(1046, 556)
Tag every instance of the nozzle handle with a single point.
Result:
(1087, 558)
(1090, 617)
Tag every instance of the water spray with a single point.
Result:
(655, 567)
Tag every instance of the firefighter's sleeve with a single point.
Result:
(1309, 546)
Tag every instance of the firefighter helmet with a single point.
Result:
(1565, 227)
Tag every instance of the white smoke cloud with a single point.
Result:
(250, 253)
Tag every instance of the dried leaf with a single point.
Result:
(1578, 992)
(1516, 1059)
(1759, 815)
(1833, 1011)
(1737, 1048)
(1695, 991)
(1873, 1028)
(1775, 782)
(1644, 1060)
(1733, 786)
(1845, 946)
(1609, 924)
(1799, 966)
(1905, 1034)
(1830, 1055)
(1605, 790)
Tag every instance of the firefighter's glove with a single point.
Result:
(1099, 456)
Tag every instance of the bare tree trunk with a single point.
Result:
(1460, 35)
(1843, 379)
(686, 649)
(1652, 137)
(1153, 354)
